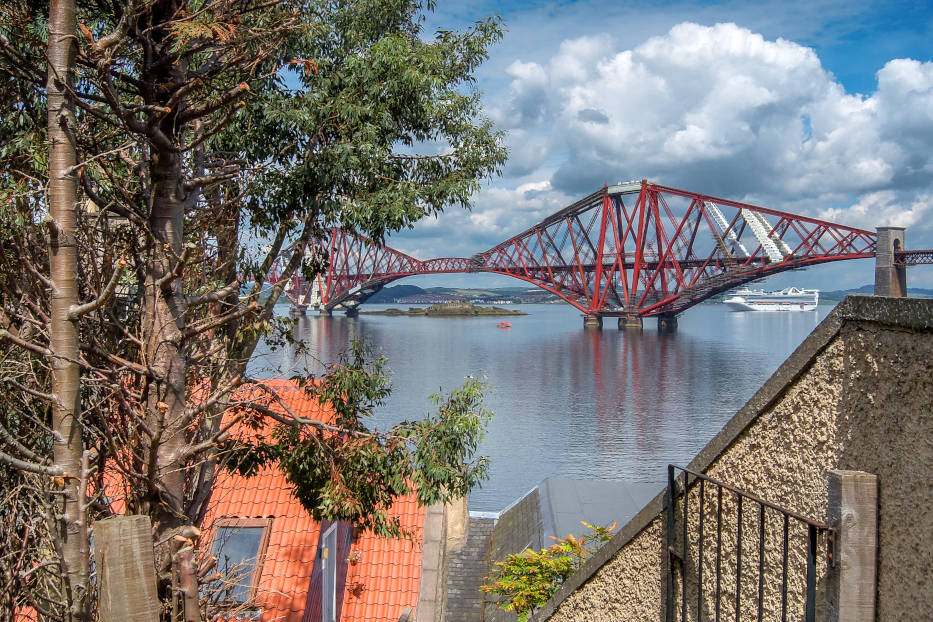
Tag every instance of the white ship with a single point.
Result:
(790, 299)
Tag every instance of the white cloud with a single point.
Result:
(575, 57)
(720, 109)
(887, 207)
(505, 212)
(498, 214)
(528, 96)
(527, 152)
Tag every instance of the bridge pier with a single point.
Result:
(325, 312)
(667, 324)
(631, 321)
(352, 312)
(592, 322)
(890, 279)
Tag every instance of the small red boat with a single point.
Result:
(504, 324)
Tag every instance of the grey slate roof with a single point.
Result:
(566, 502)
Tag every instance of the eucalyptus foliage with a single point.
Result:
(346, 470)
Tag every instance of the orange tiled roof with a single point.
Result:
(379, 586)
(386, 578)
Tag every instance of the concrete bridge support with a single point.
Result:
(890, 279)
(631, 321)
(592, 322)
(667, 323)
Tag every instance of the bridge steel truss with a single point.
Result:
(913, 257)
(648, 250)
(358, 267)
(634, 249)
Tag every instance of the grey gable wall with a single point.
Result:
(857, 395)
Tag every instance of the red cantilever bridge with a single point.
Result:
(632, 250)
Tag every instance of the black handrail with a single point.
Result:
(679, 558)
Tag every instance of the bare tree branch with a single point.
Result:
(218, 395)
(19, 447)
(25, 345)
(191, 331)
(175, 273)
(77, 311)
(208, 180)
(214, 296)
(30, 467)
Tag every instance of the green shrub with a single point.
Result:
(527, 580)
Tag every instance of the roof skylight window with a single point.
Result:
(239, 546)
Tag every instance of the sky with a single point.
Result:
(820, 108)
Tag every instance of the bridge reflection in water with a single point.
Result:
(601, 404)
(632, 250)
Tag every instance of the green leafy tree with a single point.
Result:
(342, 469)
(209, 136)
(527, 580)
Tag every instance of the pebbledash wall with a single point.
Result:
(856, 395)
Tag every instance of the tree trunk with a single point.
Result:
(164, 304)
(227, 232)
(164, 308)
(163, 322)
(161, 318)
(68, 446)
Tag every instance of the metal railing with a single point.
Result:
(913, 258)
(691, 494)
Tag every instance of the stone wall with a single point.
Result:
(482, 538)
(466, 573)
(856, 395)
(517, 529)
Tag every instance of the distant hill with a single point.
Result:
(394, 292)
(839, 294)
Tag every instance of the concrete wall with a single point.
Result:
(445, 533)
(856, 395)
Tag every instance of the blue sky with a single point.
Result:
(818, 108)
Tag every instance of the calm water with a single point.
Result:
(587, 404)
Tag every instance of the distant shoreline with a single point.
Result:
(456, 309)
